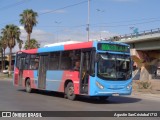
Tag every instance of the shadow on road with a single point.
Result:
(92, 100)
(111, 100)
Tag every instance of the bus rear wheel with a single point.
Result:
(28, 86)
(70, 91)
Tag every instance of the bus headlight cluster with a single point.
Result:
(129, 86)
(99, 85)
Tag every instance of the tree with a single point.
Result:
(1, 51)
(28, 19)
(12, 34)
(20, 42)
(33, 44)
(3, 47)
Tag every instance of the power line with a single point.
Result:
(13, 5)
(98, 25)
(123, 25)
(125, 21)
(84, 25)
(93, 25)
(120, 25)
(68, 6)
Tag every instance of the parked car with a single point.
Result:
(158, 71)
(5, 71)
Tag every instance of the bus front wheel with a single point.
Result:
(28, 86)
(70, 91)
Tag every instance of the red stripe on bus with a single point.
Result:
(78, 46)
(30, 51)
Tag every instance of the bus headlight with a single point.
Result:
(129, 86)
(99, 85)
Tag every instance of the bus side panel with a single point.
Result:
(91, 86)
(29, 74)
(35, 79)
(70, 75)
(16, 77)
(109, 87)
(53, 80)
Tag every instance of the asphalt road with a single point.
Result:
(16, 99)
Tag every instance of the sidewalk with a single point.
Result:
(153, 92)
(4, 77)
(147, 96)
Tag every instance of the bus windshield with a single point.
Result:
(114, 67)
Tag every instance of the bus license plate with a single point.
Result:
(115, 94)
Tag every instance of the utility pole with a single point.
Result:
(88, 29)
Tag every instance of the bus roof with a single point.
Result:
(62, 43)
(71, 46)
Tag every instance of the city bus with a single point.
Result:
(105, 69)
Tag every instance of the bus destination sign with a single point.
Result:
(112, 47)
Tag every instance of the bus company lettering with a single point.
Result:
(135, 114)
(142, 114)
(34, 115)
(14, 114)
(120, 114)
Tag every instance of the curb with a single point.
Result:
(6, 79)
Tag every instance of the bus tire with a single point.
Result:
(28, 86)
(103, 98)
(65, 92)
(70, 91)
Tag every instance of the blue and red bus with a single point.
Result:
(105, 69)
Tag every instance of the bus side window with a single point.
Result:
(66, 61)
(76, 57)
(54, 61)
(27, 60)
(34, 62)
(18, 61)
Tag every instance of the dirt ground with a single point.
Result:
(148, 86)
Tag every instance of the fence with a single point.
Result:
(141, 33)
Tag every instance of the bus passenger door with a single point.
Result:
(84, 71)
(43, 65)
(21, 68)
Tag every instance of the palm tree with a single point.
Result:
(1, 51)
(4, 46)
(28, 19)
(33, 44)
(20, 42)
(12, 34)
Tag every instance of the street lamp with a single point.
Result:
(57, 22)
(88, 20)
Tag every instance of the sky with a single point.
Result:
(64, 20)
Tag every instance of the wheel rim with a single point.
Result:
(71, 91)
(28, 85)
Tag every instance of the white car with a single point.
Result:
(5, 71)
(158, 71)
